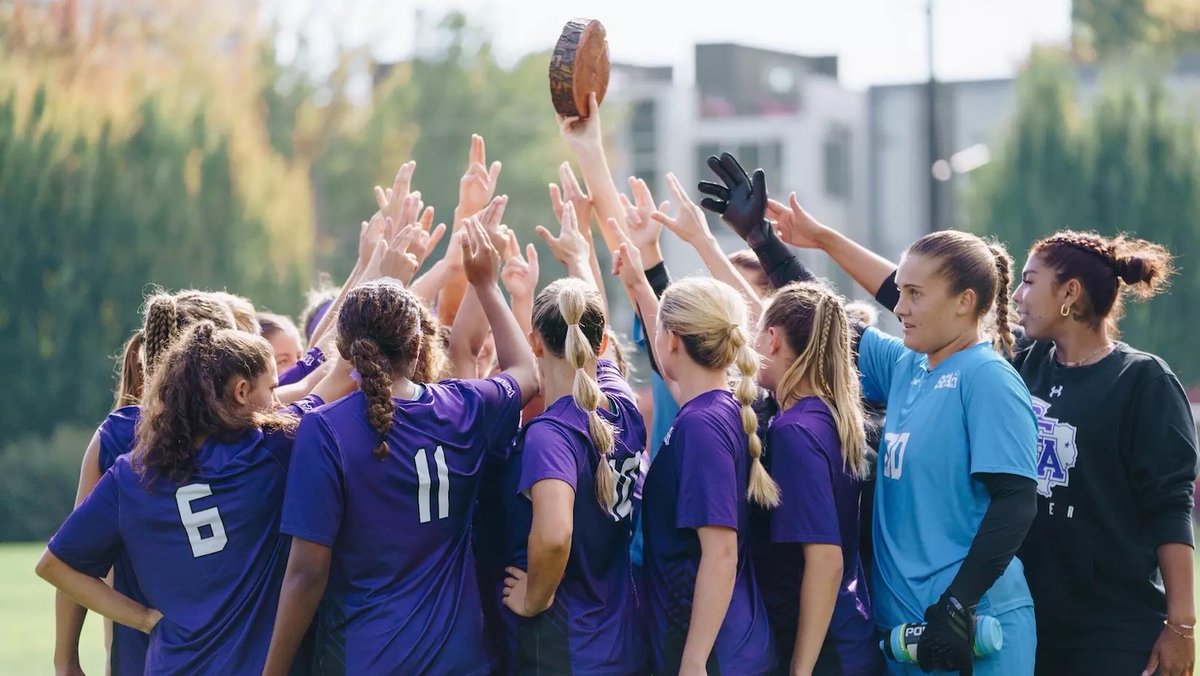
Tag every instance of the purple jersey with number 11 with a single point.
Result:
(206, 551)
(402, 597)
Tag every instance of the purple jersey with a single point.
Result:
(699, 478)
(301, 369)
(127, 654)
(206, 551)
(594, 626)
(402, 594)
(819, 505)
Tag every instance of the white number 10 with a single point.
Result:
(192, 521)
(423, 481)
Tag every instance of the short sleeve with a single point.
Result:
(807, 513)
(500, 413)
(90, 539)
(281, 442)
(1001, 426)
(301, 369)
(708, 485)
(877, 357)
(315, 495)
(548, 452)
(609, 377)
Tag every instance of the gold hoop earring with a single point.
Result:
(1065, 310)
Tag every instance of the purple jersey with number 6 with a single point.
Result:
(402, 595)
(699, 478)
(206, 551)
(593, 626)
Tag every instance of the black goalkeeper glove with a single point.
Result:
(948, 642)
(741, 202)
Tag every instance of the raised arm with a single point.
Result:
(870, 270)
(570, 247)
(572, 193)
(583, 136)
(482, 264)
(475, 191)
(520, 277)
(742, 204)
(690, 225)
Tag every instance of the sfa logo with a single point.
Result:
(1057, 452)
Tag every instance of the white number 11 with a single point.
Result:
(423, 481)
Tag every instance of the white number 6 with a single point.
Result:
(192, 521)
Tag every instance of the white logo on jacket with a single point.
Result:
(1057, 452)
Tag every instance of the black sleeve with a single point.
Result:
(659, 278)
(1160, 458)
(888, 294)
(1008, 517)
(781, 265)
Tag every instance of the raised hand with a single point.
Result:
(582, 135)
(520, 273)
(627, 263)
(741, 202)
(478, 184)
(573, 193)
(481, 260)
(644, 230)
(398, 261)
(570, 247)
(794, 225)
(689, 224)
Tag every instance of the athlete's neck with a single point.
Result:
(403, 388)
(1079, 342)
(558, 377)
(964, 340)
(696, 380)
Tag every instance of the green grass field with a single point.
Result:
(27, 618)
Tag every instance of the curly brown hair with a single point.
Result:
(188, 398)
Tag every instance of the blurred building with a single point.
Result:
(971, 115)
(783, 112)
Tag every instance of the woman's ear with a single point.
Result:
(240, 390)
(603, 343)
(535, 342)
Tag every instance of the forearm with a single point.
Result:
(819, 586)
(93, 594)
(720, 267)
(522, 309)
(710, 601)
(467, 334)
(1007, 519)
(866, 267)
(581, 269)
(298, 601)
(547, 563)
(68, 625)
(605, 198)
(427, 286)
(1175, 561)
(512, 349)
(781, 265)
(330, 318)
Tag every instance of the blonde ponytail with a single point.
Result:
(762, 489)
(572, 303)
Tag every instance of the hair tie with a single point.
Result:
(356, 376)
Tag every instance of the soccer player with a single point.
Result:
(704, 607)
(167, 317)
(806, 550)
(380, 500)
(577, 464)
(194, 509)
(956, 487)
(284, 337)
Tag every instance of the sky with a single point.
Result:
(878, 41)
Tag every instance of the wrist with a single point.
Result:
(824, 236)
(66, 658)
(651, 255)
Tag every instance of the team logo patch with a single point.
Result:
(507, 387)
(1057, 452)
(947, 382)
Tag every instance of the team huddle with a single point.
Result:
(429, 478)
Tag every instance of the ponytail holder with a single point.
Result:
(575, 324)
